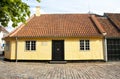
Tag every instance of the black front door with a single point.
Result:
(58, 50)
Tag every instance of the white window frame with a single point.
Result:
(30, 46)
(85, 47)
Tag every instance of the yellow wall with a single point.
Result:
(73, 52)
(44, 49)
(8, 52)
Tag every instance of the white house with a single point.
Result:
(3, 33)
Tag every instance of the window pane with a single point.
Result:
(84, 45)
(87, 48)
(81, 48)
(27, 45)
(33, 45)
(81, 44)
(87, 45)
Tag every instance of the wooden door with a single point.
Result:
(57, 50)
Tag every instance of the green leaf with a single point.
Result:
(38, 0)
(13, 10)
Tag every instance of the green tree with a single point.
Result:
(13, 10)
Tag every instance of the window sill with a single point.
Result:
(30, 50)
(84, 50)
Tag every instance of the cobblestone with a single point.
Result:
(38, 70)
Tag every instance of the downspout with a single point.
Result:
(103, 32)
(16, 52)
(105, 50)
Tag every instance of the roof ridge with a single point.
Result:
(66, 14)
(20, 27)
(99, 26)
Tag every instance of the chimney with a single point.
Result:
(99, 26)
(37, 11)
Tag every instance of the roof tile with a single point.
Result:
(109, 27)
(58, 25)
(114, 18)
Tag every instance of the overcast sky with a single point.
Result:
(74, 6)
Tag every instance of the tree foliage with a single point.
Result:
(13, 10)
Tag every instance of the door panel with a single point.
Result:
(57, 50)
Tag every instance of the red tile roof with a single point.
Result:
(99, 26)
(110, 29)
(114, 18)
(58, 25)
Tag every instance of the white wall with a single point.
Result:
(1, 41)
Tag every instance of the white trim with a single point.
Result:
(84, 45)
(84, 41)
(30, 45)
(105, 50)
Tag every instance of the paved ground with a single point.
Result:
(37, 70)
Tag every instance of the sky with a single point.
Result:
(73, 7)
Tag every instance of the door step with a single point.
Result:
(58, 62)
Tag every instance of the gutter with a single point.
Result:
(16, 49)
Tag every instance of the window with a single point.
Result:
(30, 45)
(84, 45)
(7, 46)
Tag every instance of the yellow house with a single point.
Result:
(57, 37)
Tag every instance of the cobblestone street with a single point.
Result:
(79, 70)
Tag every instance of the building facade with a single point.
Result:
(56, 49)
(59, 37)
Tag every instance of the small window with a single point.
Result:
(81, 44)
(30, 45)
(84, 45)
(7, 46)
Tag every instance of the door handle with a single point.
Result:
(58, 49)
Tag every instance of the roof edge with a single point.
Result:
(57, 36)
(20, 27)
(99, 26)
